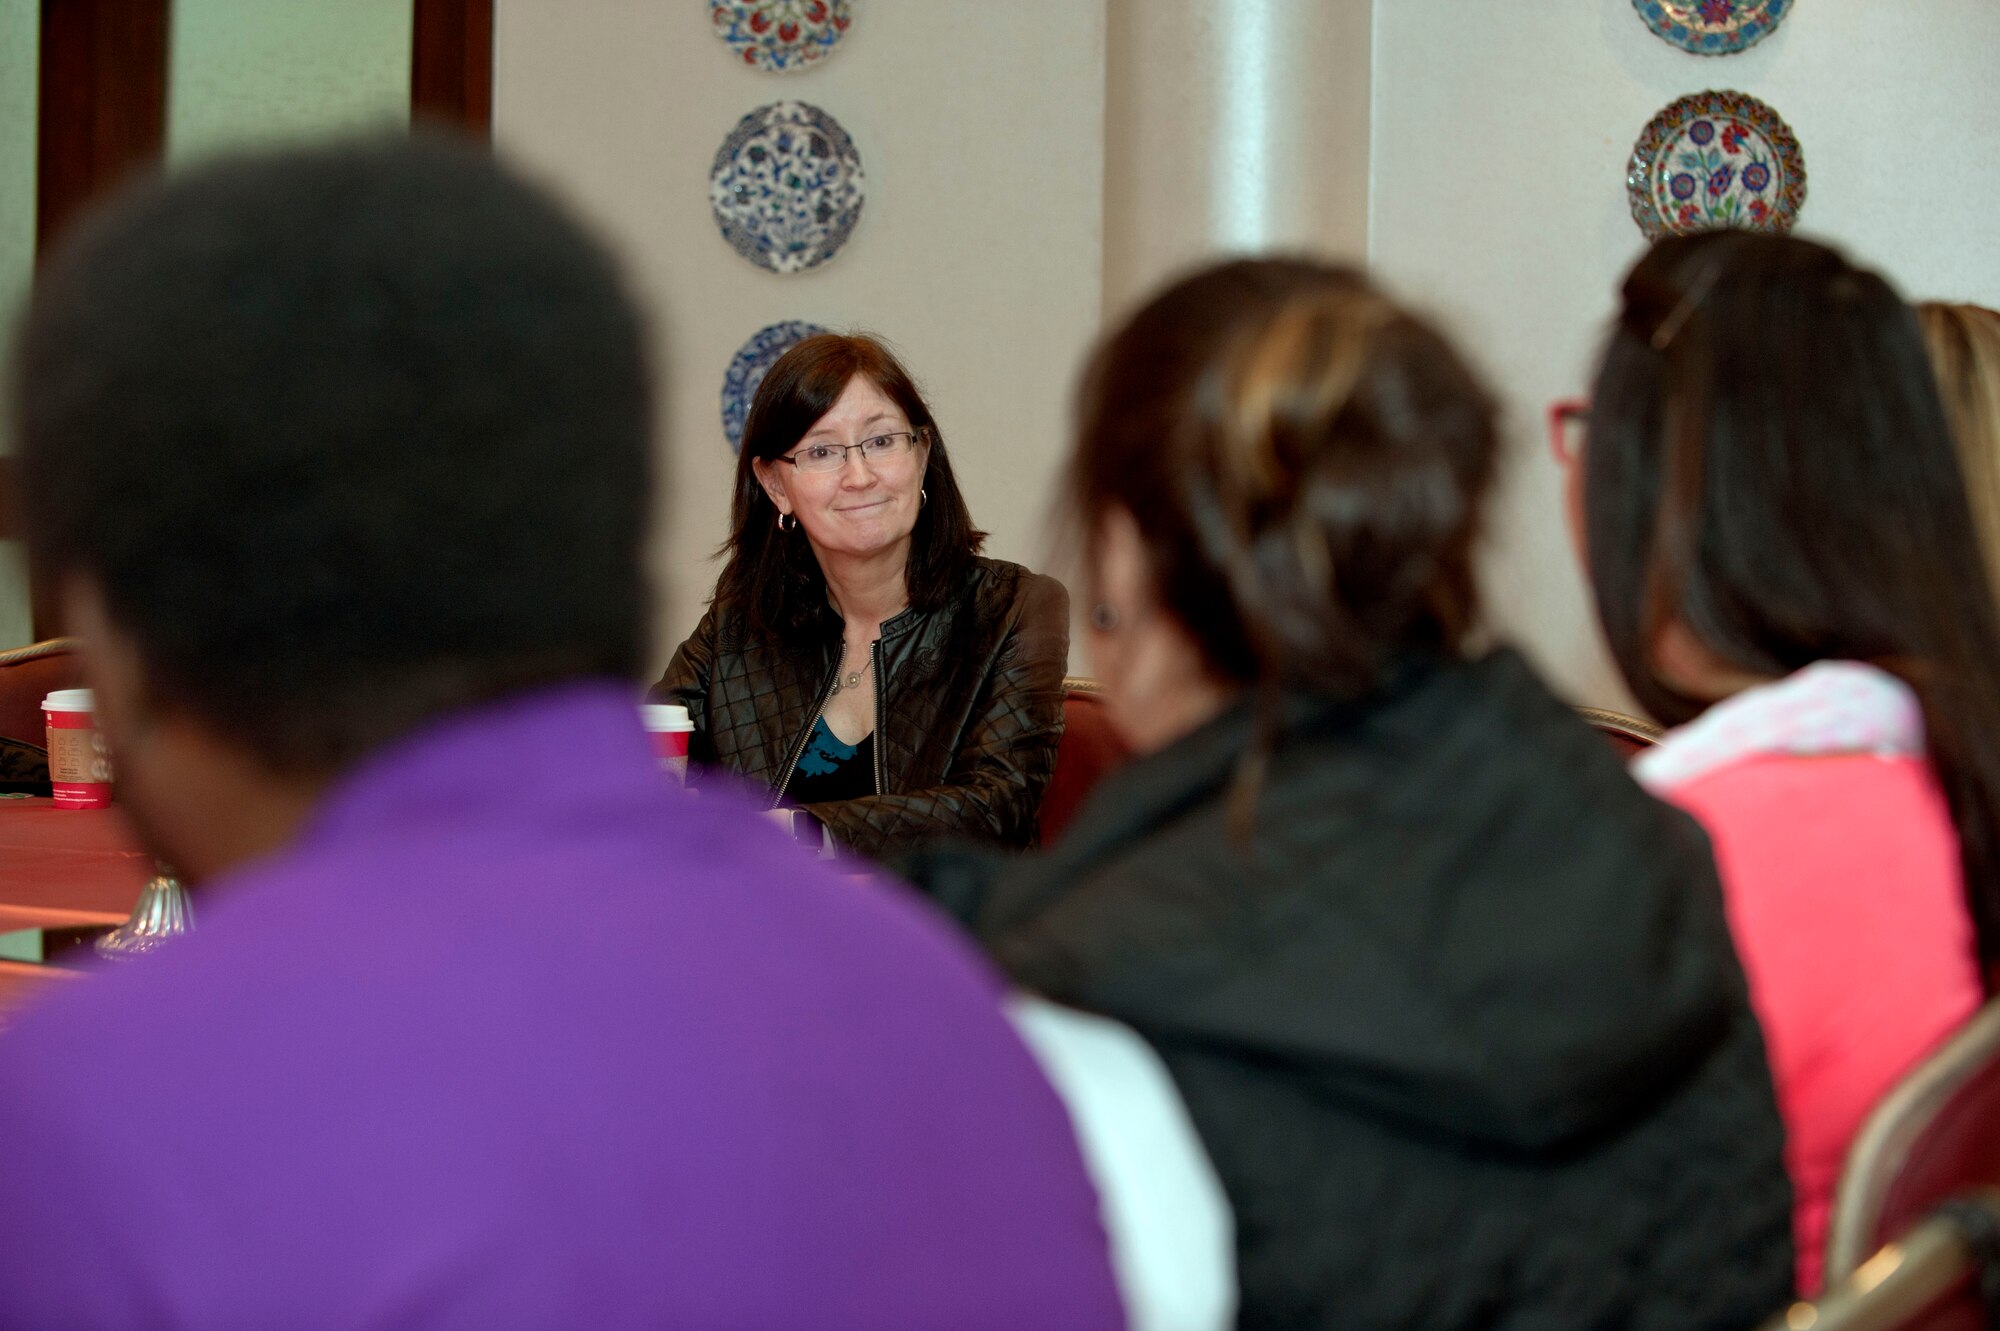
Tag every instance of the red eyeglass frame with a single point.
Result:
(1561, 412)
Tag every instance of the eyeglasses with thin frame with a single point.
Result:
(833, 457)
(1569, 419)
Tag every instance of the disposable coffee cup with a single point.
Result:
(79, 762)
(670, 727)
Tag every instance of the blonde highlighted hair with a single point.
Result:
(1306, 463)
(1964, 346)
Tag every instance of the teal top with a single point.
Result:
(830, 769)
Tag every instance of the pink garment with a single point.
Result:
(1844, 892)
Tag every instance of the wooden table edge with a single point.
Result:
(13, 919)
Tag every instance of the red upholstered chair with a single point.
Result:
(1627, 734)
(27, 675)
(1937, 1135)
(1090, 748)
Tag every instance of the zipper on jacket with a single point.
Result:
(875, 657)
(799, 746)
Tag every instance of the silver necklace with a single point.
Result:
(853, 679)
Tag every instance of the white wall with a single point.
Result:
(1496, 136)
(1500, 134)
(978, 253)
(1231, 127)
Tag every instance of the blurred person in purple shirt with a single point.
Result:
(339, 460)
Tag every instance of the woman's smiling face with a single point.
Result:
(863, 505)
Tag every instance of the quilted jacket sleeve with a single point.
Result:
(686, 682)
(994, 789)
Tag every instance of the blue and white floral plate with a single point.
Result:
(780, 36)
(787, 187)
(1716, 159)
(1712, 27)
(749, 366)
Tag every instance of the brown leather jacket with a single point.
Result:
(968, 705)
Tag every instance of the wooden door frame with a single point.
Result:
(451, 65)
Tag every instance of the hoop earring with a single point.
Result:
(922, 497)
(781, 522)
(1103, 618)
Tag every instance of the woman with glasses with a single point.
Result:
(1786, 569)
(859, 660)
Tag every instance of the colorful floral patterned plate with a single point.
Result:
(786, 187)
(781, 35)
(1716, 159)
(1712, 27)
(748, 368)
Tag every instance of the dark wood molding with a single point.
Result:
(451, 64)
(101, 114)
(103, 103)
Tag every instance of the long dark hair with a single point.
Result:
(772, 577)
(1306, 463)
(1769, 464)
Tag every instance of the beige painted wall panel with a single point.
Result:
(1232, 126)
(978, 253)
(1500, 136)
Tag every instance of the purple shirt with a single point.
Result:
(517, 1035)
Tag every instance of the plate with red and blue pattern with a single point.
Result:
(1713, 160)
(1712, 27)
(780, 36)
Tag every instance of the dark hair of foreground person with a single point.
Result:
(305, 549)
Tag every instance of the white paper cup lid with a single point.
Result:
(665, 716)
(70, 700)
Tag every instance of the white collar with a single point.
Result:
(1828, 707)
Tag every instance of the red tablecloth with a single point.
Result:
(65, 867)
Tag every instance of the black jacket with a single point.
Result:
(1461, 1026)
(968, 699)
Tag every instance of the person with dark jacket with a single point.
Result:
(860, 661)
(1451, 1001)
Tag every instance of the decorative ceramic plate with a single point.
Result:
(781, 35)
(747, 370)
(1712, 27)
(786, 187)
(1716, 159)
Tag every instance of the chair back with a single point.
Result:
(1627, 734)
(27, 675)
(1940, 1275)
(1935, 1135)
(1090, 748)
